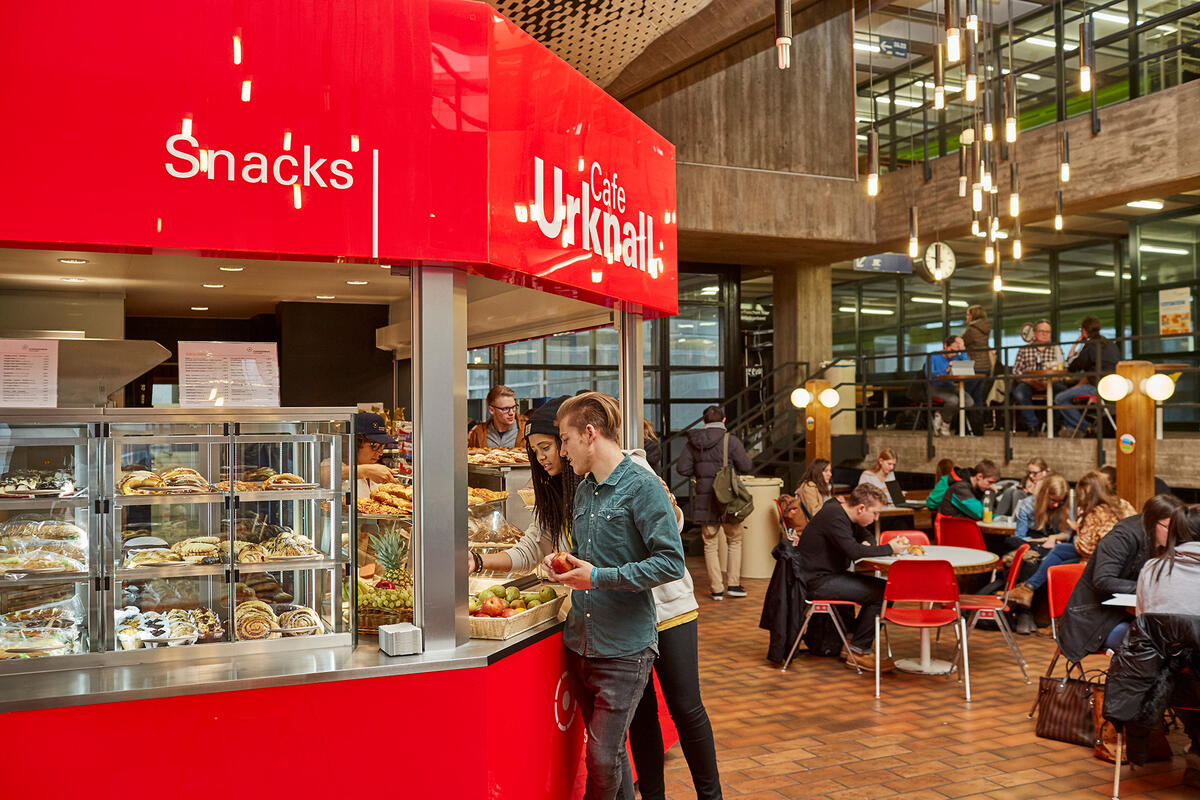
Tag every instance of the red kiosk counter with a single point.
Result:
(430, 135)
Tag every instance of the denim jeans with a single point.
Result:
(1063, 553)
(1116, 636)
(608, 690)
(678, 670)
(1069, 417)
(865, 590)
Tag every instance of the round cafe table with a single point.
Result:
(966, 561)
(998, 528)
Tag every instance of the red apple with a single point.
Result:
(509, 612)
(493, 606)
(385, 585)
(560, 562)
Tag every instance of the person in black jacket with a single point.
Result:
(965, 489)
(1096, 355)
(701, 459)
(1087, 626)
(831, 541)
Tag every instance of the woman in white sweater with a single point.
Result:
(1169, 583)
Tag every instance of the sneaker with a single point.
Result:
(1021, 595)
(735, 591)
(718, 595)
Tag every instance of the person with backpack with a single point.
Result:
(712, 452)
(960, 492)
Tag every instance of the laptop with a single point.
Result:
(898, 498)
(962, 368)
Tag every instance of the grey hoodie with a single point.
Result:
(1173, 592)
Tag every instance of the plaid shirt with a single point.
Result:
(1031, 358)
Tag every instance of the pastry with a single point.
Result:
(300, 618)
(242, 593)
(255, 619)
(139, 482)
(283, 479)
(153, 556)
(915, 550)
(64, 531)
(183, 476)
(251, 554)
(257, 474)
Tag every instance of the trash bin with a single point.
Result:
(760, 531)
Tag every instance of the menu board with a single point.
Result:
(237, 374)
(1175, 311)
(29, 373)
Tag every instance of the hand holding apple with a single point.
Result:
(578, 574)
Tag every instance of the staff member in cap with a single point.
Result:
(505, 428)
(371, 437)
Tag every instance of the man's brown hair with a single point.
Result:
(592, 408)
(988, 469)
(498, 391)
(867, 495)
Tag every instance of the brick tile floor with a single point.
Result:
(817, 731)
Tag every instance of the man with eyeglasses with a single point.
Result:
(505, 427)
(1036, 356)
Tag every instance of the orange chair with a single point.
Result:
(958, 532)
(914, 537)
(931, 582)
(987, 606)
(1060, 582)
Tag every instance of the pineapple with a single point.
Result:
(391, 551)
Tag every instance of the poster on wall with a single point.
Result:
(1175, 311)
(29, 373)
(236, 374)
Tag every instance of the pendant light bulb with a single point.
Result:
(953, 34)
(1085, 78)
(977, 198)
(1010, 129)
(975, 227)
(973, 19)
(939, 77)
(986, 180)
(1017, 249)
(1014, 197)
(1087, 56)
(989, 254)
(872, 163)
(971, 88)
(1058, 211)
(1014, 205)
(989, 134)
(912, 232)
(783, 32)
(997, 284)
(1064, 158)
(1010, 109)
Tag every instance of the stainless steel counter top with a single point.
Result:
(119, 683)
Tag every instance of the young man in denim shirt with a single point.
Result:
(624, 542)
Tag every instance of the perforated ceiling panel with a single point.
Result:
(597, 37)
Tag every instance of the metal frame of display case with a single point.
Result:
(219, 430)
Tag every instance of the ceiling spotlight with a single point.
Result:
(214, 285)
(199, 308)
(75, 280)
(72, 261)
(326, 296)
(1153, 205)
(356, 283)
(231, 268)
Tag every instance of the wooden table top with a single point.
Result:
(965, 560)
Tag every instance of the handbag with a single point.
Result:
(1157, 746)
(1065, 708)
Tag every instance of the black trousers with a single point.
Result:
(678, 670)
(866, 590)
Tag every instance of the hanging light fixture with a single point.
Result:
(1010, 109)
(953, 40)
(783, 32)
(989, 253)
(1087, 55)
(1014, 192)
(872, 162)
(972, 22)
(939, 78)
(989, 131)
(997, 283)
(1058, 217)
(1064, 158)
(976, 184)
(912, 232)
(962, 169)
(1016, 237)
(971, 84)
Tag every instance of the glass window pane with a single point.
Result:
(697, 384)
(695, 337)
(1167, 250)
(700, 287)
(530, 352)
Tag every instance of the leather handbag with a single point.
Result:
(1065, 708)
(1157, 746)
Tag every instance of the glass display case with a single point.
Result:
(170, 529)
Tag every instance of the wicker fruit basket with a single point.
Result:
(504, 627)
(370, 618)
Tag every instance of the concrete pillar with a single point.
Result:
(803, 322)
(1135, 419)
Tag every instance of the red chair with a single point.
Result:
(986, 606)
(931, 582)
(1060, 582)
(825, 607)
(958, 532)
(914, 537)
